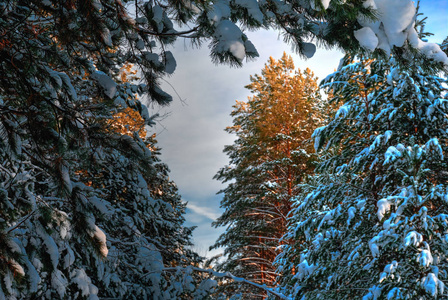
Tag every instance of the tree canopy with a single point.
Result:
(268, 159)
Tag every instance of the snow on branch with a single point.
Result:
(228, 275)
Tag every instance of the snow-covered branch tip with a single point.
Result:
(228, 275)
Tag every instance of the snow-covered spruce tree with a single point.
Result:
(143, 214)
(269, 158)
(374, 223)
(86, 211)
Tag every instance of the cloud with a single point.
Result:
(204, 211)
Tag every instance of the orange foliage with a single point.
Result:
(127, 122)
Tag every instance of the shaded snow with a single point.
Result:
(170, 62)
(433, 285)
(229, 38)
(84, 283)
(50, 244)
(108, 84)
(308, 49)
(252, 8)
(425, 257)
(367, 38)
(59, 283)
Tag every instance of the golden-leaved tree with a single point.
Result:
(269, 157)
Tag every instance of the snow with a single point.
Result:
(343, 111)
(150, 257)
(433, 51)
(389, 222)
(425, 257)
(304, 270)
(252, 8)
(387, 136)
(140, 44)
(433, 285)
(374, 293)
(158, 13)
(69, 86)
(170, 62)
(317, 136)
(8, 283)
(396, 26)
(59, 283)
(96, 4)
(69, 258)
(13, 246)
(351, 214)
(52, 248)
(392, 153)
(221, 10)
(390, 268)
(413, 238)
(325, 4)
(393, 29)
(374, 249)
(229, 38)
(250, 48)
(383, 207)
(394, 293)
(367, 38)
(107, 38)
(152, 57)
(55, 76)
(37, 263)
(393, 75)
(308, 49)
(33, 276)
(84, 283)
(108, 84)
(433, 145)
(100, 204)
(99, 234)
(141, 182)
(18, 268)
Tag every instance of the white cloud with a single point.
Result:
(204, 211)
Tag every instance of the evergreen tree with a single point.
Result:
(373, 225)
(86, 210)
(268, 159)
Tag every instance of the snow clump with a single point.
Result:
(393, 29)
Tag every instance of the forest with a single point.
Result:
(334, 190)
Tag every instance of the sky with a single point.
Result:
(191, 131)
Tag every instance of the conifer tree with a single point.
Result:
(373, 224)
(268, 159)
(86, 210)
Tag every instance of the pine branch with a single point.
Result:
(228, 275)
